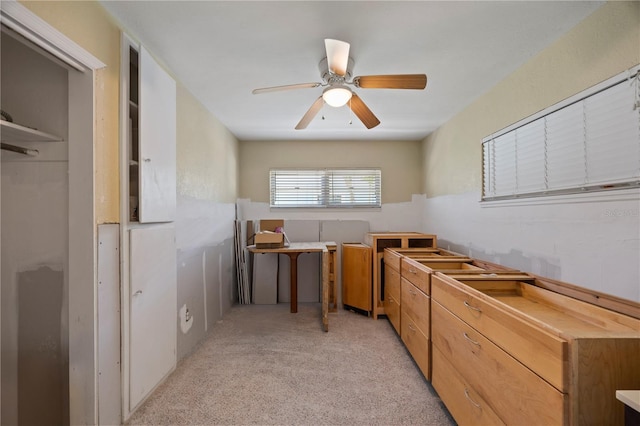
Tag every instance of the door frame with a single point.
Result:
(82, 261)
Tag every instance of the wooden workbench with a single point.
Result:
(328, 250)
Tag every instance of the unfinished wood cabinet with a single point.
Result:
(378, 241)
(415, 324)
(356, 276)
(524, 354)
(392, 296)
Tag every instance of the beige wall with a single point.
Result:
(400, 162)
(207, 153)
(603, 45)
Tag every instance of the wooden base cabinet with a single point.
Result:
(505, 385)
(416, 324)
(463, 402)
(378, 241)
(392, 296)
(527, 354)
(356, 276)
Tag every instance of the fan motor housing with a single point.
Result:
(330, 78)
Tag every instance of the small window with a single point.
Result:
(590, 142)
(325, 188)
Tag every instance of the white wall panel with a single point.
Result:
(591, 243)
(109, 385)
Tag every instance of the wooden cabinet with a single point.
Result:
(356, 276)
(522, 353)
(463, 402)
(392, 296)
(378, 241)
(415, 324)
(506, 347)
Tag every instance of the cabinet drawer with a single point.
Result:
(514, 392)
(416, 342)
(416, 305)
(392, 310)
(392, 259)
(462, 401)
(416, 273)
(392, 283)
(542, 352)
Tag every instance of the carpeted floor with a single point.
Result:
(264, 365)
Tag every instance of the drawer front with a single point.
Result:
(540, 351)
(513, 391)
(392, 310)
(417, 343)
(418, 274)
(416, 305)
(392, 259)
(462, 401)
(392, 283)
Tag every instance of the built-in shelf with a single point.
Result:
(12, 132)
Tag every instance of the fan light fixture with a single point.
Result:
(336, 96)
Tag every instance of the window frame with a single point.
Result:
(509, 136)
(324, 186)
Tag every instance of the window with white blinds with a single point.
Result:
(325, 188)
(590, 142)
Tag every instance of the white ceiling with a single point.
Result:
(222, 50)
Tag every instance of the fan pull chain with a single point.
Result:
(350, 113)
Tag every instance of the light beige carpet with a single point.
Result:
(264, 365)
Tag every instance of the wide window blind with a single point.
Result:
(590, 143)
(325, 187)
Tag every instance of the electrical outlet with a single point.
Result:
(186, 319)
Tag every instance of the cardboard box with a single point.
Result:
(271, 224)
(267, 237)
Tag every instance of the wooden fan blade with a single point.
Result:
(308, 116)
(363, 112)
(398, 81)
(337, 55)
(285, 87)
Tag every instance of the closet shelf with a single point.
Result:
(133, 107)
(12, 132)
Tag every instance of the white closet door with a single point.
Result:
(157, 106)
(154, 312)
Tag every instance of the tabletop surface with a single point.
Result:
(295, 247)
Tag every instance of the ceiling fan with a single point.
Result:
(335, 71)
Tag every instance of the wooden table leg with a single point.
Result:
(325, 290)
(293, 256)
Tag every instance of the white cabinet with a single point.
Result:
(153, 317)
(151, 139)
(157, 143)
(148, 208)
